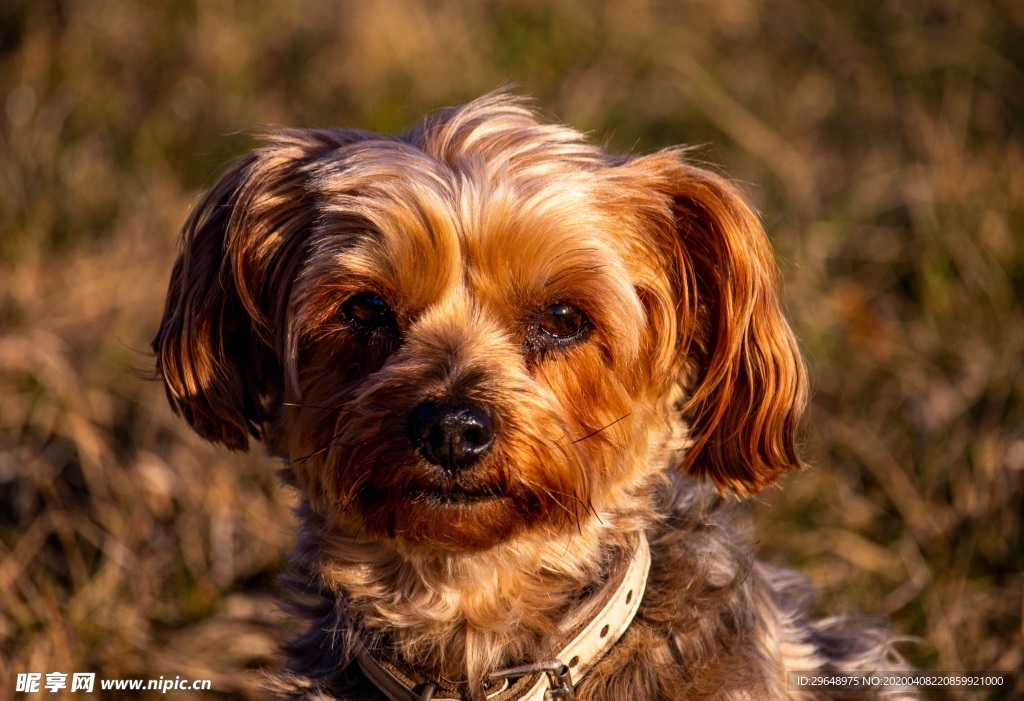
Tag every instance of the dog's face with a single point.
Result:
(480, 329)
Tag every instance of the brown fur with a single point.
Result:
(470, 228)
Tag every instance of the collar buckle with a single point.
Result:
(559, 678)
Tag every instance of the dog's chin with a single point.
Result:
(441, 519)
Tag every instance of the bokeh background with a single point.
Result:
(883, 141)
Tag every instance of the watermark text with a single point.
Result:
(87, 682)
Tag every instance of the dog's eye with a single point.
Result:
(563, 321)
(366, 311)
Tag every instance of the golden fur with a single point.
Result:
(463, 242)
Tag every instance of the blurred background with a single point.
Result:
(883, 141)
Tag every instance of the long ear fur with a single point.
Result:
(738, 355)
(216, 348)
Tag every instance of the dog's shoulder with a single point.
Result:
(717, 623)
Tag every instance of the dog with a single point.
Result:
(516, 382)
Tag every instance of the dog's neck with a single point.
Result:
(461, 616)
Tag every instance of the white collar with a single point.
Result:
(532, 682)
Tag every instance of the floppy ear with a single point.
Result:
(737, 356)
(217, 345)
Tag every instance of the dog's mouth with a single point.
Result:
(441, 497)
(449, 516)
(435, 496)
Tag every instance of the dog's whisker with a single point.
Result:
(331, 443)
(302, 460)
(339, 408)
(588, 506)
(573, 516)
(594, 433)
(354, 489)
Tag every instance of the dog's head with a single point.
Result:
(480, 328)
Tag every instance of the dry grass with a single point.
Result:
(884, 142)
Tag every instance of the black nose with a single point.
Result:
(452, 435)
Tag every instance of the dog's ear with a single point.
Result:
(218, 345)
(737, 354)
